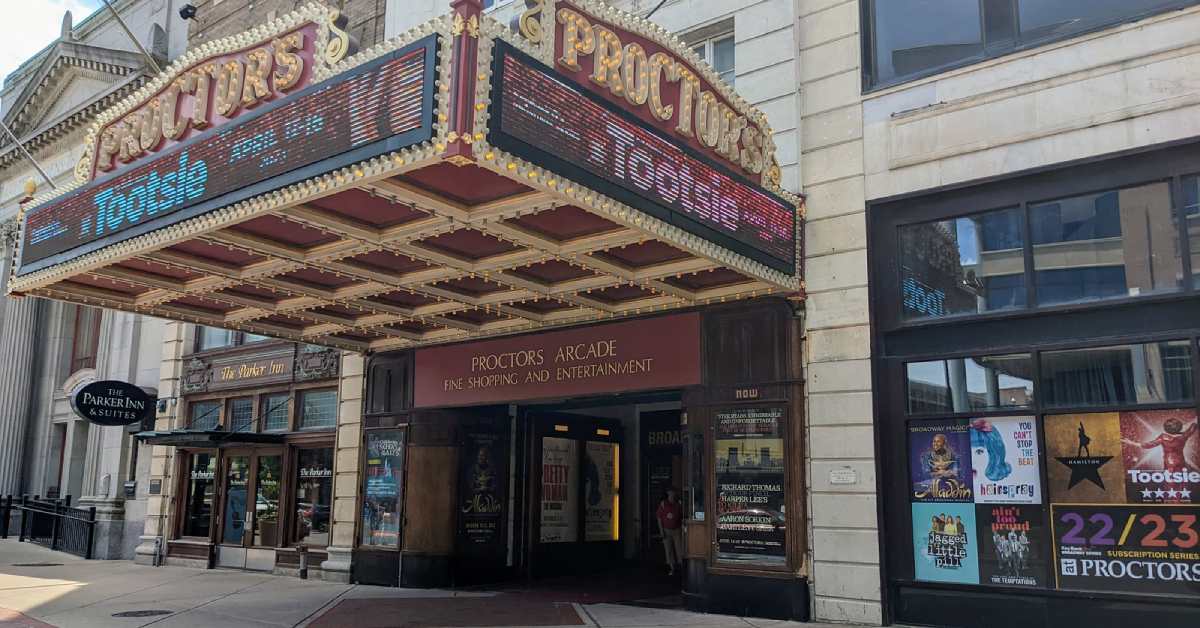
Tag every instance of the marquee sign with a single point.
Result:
(210, 93)
(376, 108)
(658, 85)
(584, 137)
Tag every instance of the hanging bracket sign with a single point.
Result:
(113, 403)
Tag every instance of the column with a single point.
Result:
(175, 338)
(844, 522)
(17, 354)
(346, 475)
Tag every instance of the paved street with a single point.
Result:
(42, 588)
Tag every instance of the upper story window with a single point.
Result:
(86, 339)
(1111, 244)
(208, 338)
(717, 50)
(914, 38)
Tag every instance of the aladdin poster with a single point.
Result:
(1012, 539)
(940, 460)
(599, 489)
(1083, 452)
(560, 477)
(483, 484)
(1160, 450)
(1004, 461)
(945, 543)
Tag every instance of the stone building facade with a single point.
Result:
(50, 349)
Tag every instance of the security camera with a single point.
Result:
(187, 11)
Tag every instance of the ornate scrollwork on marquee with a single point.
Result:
(313, 362)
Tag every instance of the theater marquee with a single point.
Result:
(461, 181)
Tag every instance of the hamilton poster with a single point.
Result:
(1083, 453)
(1161, 455)
(940, 460)
(1005, 461)
(1012, 545)
(945, 543)
(483, 484)
(1140, 548)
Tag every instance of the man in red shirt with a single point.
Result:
(670, 520)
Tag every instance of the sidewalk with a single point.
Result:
(40, 588)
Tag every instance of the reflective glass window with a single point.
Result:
(1112, 244)
(275, 412)
(318, 408)
(1043, 20)
(967, 265)
(1191, 222)
(201, 488)
(915, 36)
(213, 338)
(314, 496)
(1118, 375)
(241, 414)
(205, 415)
(966, 384)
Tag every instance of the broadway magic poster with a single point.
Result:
(940, 460)
(483, 488)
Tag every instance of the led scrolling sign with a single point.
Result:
(378, 107)
(582, 136)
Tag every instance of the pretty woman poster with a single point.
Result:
(1004, 461)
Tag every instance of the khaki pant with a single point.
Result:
(673, 544)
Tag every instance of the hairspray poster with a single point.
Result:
(1005, 465)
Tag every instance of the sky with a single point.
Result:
(38, 26)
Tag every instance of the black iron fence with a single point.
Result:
(52, 523)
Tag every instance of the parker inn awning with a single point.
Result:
(465, 179)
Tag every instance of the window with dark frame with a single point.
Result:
(210, 338)
(1103, 348)
(204, 415)
(318, 409)
(85, 342)
(910, 39)
(276, 412)
(200, 493)
(1113, 244)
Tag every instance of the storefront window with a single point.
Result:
(751, 514)
(966, 384)
(382, 483)
(1191, 222)
(213, 338)
(236, 490)
(241, 414)
(318, 409)
(201, 487)
(205, 415)
(1120, 243)
(314, 496)
(696, 458)
(275, 412)
(266, 501)
(964, 265)
(1118, 375)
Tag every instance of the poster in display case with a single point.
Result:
(751, 515)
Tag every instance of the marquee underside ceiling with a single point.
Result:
(438, 253)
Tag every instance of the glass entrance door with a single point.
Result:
(250, 515)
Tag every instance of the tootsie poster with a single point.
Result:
(940, 460)
(1160, 450)
(1128, 548)
(1004, 461)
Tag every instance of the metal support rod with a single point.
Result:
(149, 59)
(33, 161)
